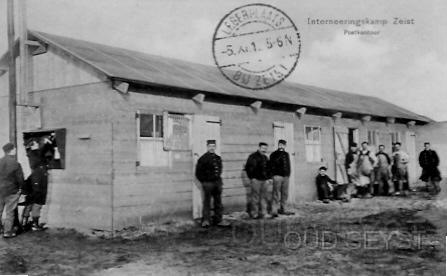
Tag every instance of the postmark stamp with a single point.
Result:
(256, 46)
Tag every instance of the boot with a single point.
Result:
(36, 226)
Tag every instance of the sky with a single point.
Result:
(405, 64)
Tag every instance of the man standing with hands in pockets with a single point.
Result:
(259, 173)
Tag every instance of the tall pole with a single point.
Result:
(23, 83)
(12, 75)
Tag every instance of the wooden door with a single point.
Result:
(204, 128)
(411, 150)
(283, 130)
(341, 143)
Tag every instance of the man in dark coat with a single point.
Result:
(37, 183)
(325, 185)
(429, 161)
(280, 166)
(259, 172)
(11, 183)
(208, 172)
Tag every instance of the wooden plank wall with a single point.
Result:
(80, 195)
(148, 193)
(4, 110)
(55, 69)
(143, 194)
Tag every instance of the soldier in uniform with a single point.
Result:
(208, 172)
(258, 171)
(11, 184)
(429, 162)
(280, 166)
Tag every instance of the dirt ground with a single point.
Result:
(379, 236)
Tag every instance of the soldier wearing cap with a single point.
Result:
(280, 166)
(11, 183)
(259, 172)
(429, 162)
(208, 172)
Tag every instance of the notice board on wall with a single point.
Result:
(177, 129)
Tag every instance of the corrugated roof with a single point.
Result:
(151, 69)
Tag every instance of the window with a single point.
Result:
(313, 143)
(151, 125)
(395, 137)
(373, 137)
(150, 141)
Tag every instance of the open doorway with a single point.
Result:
(204, 128)
(353, 136)
(46, 147)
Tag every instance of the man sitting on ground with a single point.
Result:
(329, 189)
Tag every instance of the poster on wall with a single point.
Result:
(177, 132)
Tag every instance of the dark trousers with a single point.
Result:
(383, 179)
(212, 190)
(280, 193)
(324, 192)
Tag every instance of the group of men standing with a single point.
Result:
(268, 182)
(13, 186)
(268, 177)
(381, 174)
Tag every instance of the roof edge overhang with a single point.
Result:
(346, 113)
(138, 87)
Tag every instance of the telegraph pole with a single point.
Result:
(12, 75)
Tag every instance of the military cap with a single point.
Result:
(210, 142)
(8, 147)
(281, 141)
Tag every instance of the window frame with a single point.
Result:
(154, 124)
(139, 138)
(313, 143)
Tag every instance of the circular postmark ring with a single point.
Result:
(256, 46)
